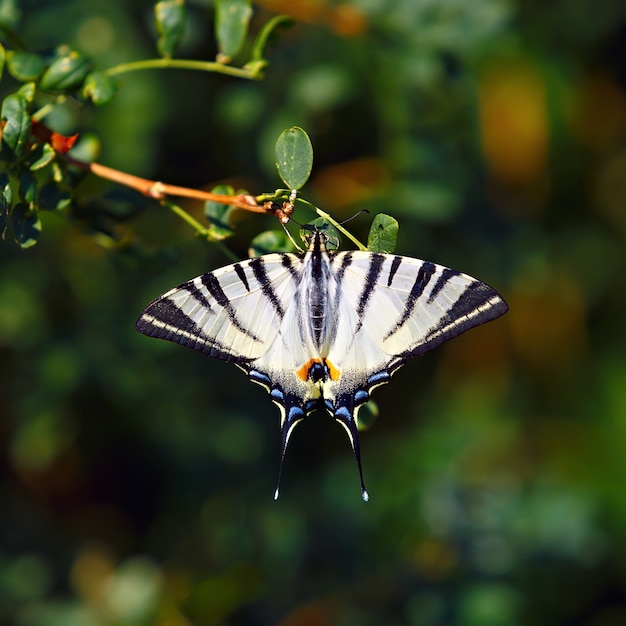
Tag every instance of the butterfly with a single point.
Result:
(321, 328)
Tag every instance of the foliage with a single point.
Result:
(138, 478)
(51, 80)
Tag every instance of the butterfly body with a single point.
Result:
(321, 329)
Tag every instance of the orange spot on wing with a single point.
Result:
(303, 372)
(332, 370)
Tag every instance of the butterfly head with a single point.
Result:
(320, 235)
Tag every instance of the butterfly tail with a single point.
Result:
(291, 414)
(345, 412)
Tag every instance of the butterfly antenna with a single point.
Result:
(349, 219)
(347, 419)
(290, 237)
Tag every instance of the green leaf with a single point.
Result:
(3, 56)
(270, 241)
(43, 155)
(6, 199)
(27, 187)
(4, 216)
(383, 234)
(294, 157)
(231, 26)
(87, 148)
(368, 414)
(16, 129)
(219, 214)
(28, 90)
(99, 88)
(66, 72)
(268, 36)
(53, 197)
(25, 66)
(6, 191)
(26, 225)
(170, 18)
(10, 14)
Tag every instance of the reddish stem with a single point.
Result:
(158, 190)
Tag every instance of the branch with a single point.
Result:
(159, 191)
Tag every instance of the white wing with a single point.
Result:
(246, 313)
(234, 313)
(406, 306)
(393, 308)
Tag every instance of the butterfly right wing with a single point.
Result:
(393, 308)
(407, 306)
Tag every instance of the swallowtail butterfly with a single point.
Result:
(321, 328)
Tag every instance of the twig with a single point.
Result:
(253, 72)
(159, 191)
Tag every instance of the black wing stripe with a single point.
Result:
(445, 276)
(346, 261)
(375, 268)
(197, 294)
(288, 262)
(215, 289)
(421, 282)
(242, 275)
(165, 320)
(395, 264)
(478, 304)
(258, 269)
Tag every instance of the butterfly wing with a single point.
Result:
(407, 307)
(233, 313)
(247, 313)
(383, 309)
(393, 308)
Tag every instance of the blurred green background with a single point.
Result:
(137, 477)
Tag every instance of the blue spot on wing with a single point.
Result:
(277, 395)
(361, 396)
(379, 378)
(259, 377)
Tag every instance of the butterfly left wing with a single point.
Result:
(393, 308)
(247, 313)
(233, 313)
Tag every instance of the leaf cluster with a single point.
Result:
(39, 168)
